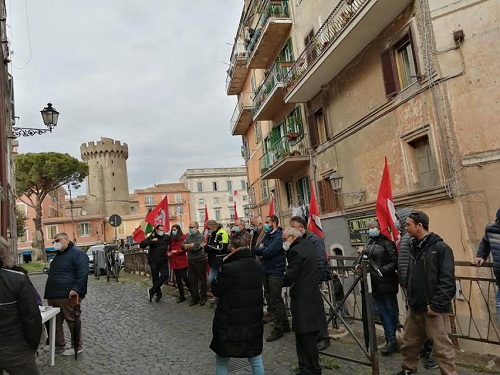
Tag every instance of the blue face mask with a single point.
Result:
(191, 230)
(174, 232)
(210, 231)
(373, 232)
(237, 230)
(267, 227)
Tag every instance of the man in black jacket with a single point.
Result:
(431, 288)
(158, 243)
(20, 319)
(66, 286)
(306, 304)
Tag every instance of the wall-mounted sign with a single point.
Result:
(358, 229)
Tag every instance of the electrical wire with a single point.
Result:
(29, 39)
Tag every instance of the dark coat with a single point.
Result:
(491, 244)
(301, 274)
(20, 319)
(431, 275)
(238, 325)
(404, 247)
(157, 252)
(383, 264)
(319, 245)
(273, 255)
(217, 247)
(69, 270)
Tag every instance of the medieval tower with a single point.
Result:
(107, 182)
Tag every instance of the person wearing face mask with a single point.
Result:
(273, 266)
(306, 305)
(257, 232)
(216, 247)
(158, 243)
(197, 265)
(179, 260)
(66, 287)
(383, 264)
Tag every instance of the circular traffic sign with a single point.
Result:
(115, 220)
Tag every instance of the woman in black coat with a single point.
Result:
(238, 325)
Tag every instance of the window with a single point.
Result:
(317, 128)
(51, 231)
(178, 198)
(52, 212)
(229, 185)
(22, 208)
(83, 229)
(399, 68)
(251, 196)
(303, 191)
(23, 236)
(149, 200)
(217, 215)
(214, 185)
(289, 193)
(200, 186)
(264, 190)
(422, 164)
(216, 200)
(258, 131)
(201, 201)
(245, 197)
(328, 197)
(243, 184)
(121, 229)
(230, 199)
(133, 209)
(231, 213)
(201, 215)
(245, 154)
(286, 53)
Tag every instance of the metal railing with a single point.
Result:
(281, 149)
(239, 52)
(274, 75)
(245, 100)
(332, 28)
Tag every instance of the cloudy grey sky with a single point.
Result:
(147, 73)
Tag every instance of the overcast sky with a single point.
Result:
(148, 73)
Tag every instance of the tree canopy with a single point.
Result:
(40, 173)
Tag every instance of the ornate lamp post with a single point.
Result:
(49, 116)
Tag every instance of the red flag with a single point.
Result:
(206, 218)
(159, 215)
(235, 212)
(314, 222)
(386, 213)
(271, 207)
(138, 235)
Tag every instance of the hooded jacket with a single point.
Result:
(69, 270)
(431, 275)
(491, 244)
(20, 322)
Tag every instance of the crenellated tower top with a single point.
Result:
(102, 148)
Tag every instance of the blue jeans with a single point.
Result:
(386, 308)
(255, 362)
(212, 274)
(498, 305)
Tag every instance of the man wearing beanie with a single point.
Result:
(491, 244)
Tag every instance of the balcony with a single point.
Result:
(242, 115)
(351, 26)
(269, 98)
(269, 35)
(284, 158)
(237, 72)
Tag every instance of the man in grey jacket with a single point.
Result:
(197, 271)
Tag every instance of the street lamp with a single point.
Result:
(336, 180)
(49, 116)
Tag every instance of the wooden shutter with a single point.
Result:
(389, 73)
(321, 197)
(313, 131)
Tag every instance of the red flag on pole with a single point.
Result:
(159, 215)
(206, 218)
(138, 235)
(235, 212)
(271, 207)
(386, 213)
(314, 222)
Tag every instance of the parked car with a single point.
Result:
(100, 249)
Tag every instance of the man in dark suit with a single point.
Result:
(306, 303)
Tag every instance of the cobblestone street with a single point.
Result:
(125, 334)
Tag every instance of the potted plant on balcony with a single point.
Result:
(292, 136)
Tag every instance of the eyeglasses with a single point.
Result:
(58, 240)
(192, 227)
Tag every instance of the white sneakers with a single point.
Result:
(71, 351)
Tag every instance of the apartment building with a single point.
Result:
(410, 80)
(220, 190)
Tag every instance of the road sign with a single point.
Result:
(115, 220)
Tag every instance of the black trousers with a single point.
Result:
(307, 353)
(273, 284)
(159, 273)
(197, 274)
(18, 359)
(180, 277)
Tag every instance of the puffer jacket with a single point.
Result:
(68, 271)
(238, 326)
(273, 255)
(491, 244)
(404, 247)
(20, 319)
(383, 263)
(431, 275)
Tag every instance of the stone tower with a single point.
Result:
(107, 182)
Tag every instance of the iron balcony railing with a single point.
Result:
(343, 14)
(275, 75)
(245, 101)
(239, 52)
(269, 9)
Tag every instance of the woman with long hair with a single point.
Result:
(178, 260)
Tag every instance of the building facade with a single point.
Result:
(219, 190)
(410, 80)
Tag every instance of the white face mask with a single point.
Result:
(57, 246)
(160, 232)
(286, 245)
